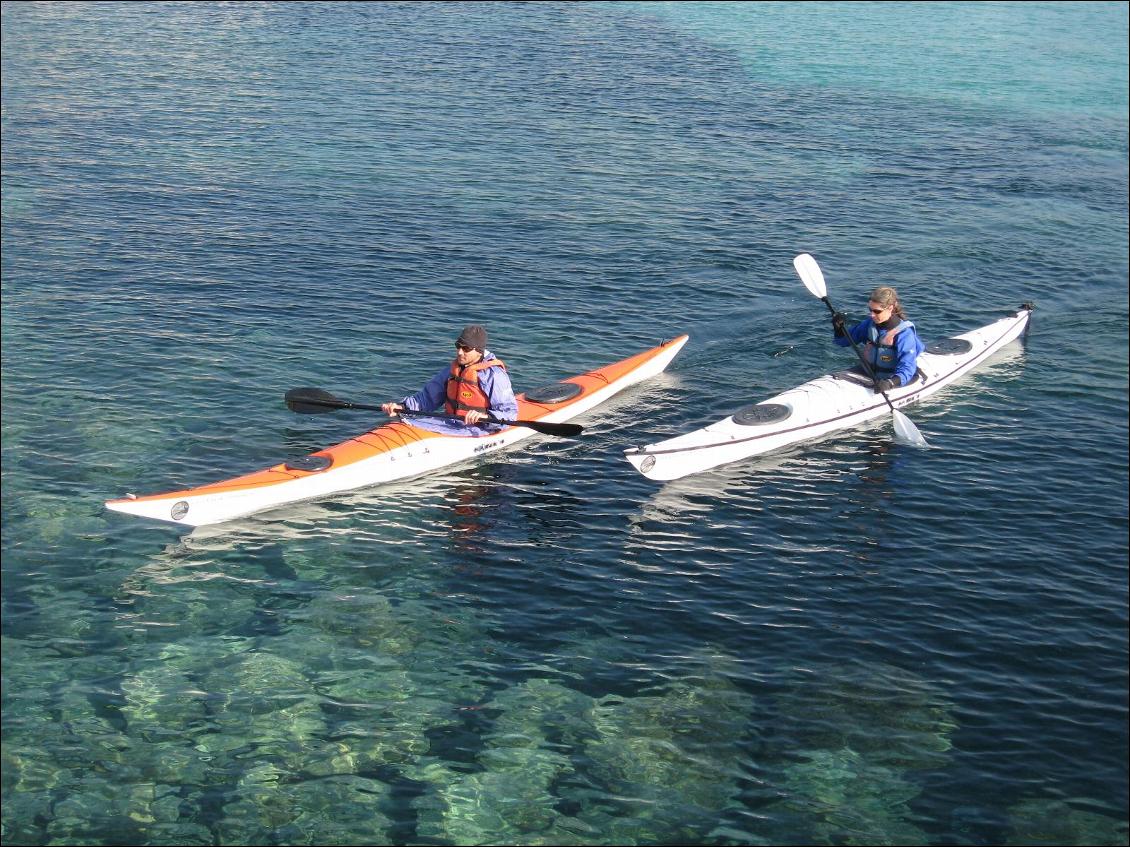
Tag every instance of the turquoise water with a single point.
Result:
(849, 642)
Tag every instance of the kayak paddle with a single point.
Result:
(813, 280)
(315, 401)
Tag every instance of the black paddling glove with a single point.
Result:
(839, 324)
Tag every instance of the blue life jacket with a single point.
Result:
(880, 350)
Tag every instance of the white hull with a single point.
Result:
(819, 407)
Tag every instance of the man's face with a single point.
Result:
(467, 355)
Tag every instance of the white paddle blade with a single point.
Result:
(810, 275)
(906, 432)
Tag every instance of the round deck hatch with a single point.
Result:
(558, 392)
(761, 414)
(949, 347)
(309, 463)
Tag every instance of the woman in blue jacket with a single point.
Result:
(889, 342)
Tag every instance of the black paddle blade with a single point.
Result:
(564, 430)
(312, 401)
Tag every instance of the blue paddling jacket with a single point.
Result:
(891, 348)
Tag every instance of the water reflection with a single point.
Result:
(470, 523)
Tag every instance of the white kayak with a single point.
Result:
(821, 406)
(396, 450)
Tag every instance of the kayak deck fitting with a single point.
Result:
(393, 451)
(821, 406)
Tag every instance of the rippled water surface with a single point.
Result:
(848, 642)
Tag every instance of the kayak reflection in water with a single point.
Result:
(474, 387)
(891, 345)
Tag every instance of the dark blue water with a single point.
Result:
(849, 642)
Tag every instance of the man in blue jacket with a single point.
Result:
(473, 388)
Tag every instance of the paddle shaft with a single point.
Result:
(489, 418)
(314, 397)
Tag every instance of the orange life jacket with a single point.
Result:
(463, 390)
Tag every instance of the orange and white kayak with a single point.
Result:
(390, 452)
